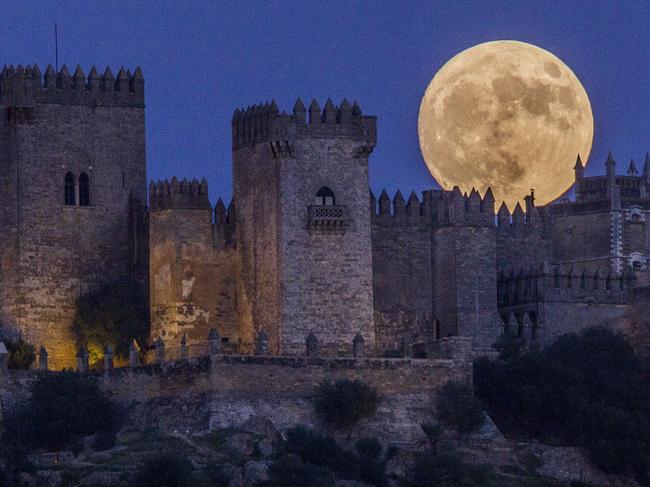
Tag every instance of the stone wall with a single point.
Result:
(465, 290)
(402, 277)
(301, 274)
(225, 390)
(52, 253)
(326, 273)
(192, 284)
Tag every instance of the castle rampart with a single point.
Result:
(222, 391)
(25, 86)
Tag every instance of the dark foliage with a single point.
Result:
(165, 470)
(21, 354)
(342, 404)
(63, 408)
(291, 471)
(112, 315)
(446, 469)
(586, 389)
(458, 408)
(366, 463)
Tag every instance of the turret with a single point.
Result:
(631, 170)
(579, 170)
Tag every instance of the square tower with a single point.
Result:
(73, 175)
(303, 226)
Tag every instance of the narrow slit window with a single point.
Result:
(69, 197)
(84, 190)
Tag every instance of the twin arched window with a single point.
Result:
(325, 197)
(72, 192)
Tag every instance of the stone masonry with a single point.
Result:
(304, 249)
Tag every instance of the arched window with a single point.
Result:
(84, 190)
(69, 198)
(325, 197)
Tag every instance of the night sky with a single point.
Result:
(203, 59)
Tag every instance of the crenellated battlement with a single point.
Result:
(185, 194)
(521, 286)
(437, 207)
(264, 123)
(25, 86)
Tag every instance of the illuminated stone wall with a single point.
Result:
(51, 253)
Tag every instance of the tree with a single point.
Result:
(164, 470)
(62, 408)
(586, 389)
(291, 471)
(446, 469)
(458, 408)
(114, 314)
(342, 404)
(21, 354)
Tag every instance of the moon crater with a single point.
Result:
(505, 115)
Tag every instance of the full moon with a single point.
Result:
(506, 115)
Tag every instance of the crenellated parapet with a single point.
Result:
(265, 124)
(25, 86)
(397, 209)
(567, 283)
(455, 208)
(175, 194)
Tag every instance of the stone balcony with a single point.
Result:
(327, 218)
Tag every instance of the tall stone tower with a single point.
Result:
(464, 264)
(73, 179)
(303, 226)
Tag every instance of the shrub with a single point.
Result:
(112, 315)
(63, 408)
(587, 389)
(291, 471)
(322, 450)
(458, 408)
(164, 470)
(341, 405)
(446, 469)
(367, 463)
(21, 354)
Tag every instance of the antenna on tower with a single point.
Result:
(56, 47)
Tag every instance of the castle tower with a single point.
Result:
(73, 188)
(303, 225)
(464, 264)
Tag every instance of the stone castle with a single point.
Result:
(304, 252)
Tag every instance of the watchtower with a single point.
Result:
(73, 179)
(303, 225)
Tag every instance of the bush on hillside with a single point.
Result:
(586, 389)
(291, 471)
(342, 404)
(62, 408)
(458, 408)
(21, 354)
(114, 314)
(446, 469)
(164, 470)
(367, 463)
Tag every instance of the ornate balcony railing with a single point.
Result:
(327, 218)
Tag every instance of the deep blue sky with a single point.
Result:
(203, 59)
